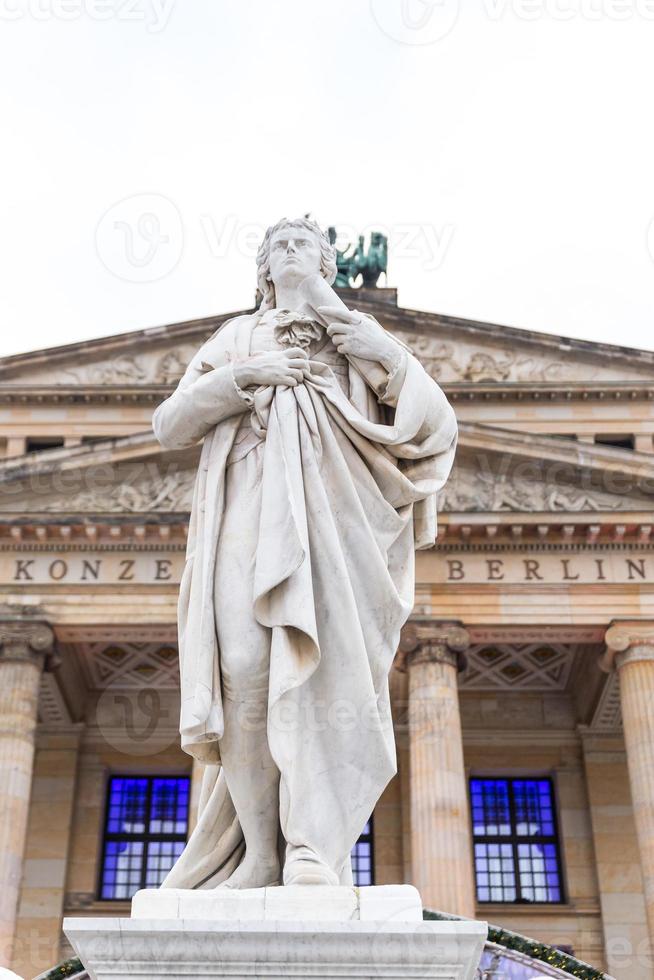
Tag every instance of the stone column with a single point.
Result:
(37, 940)
(630, 649)
(441, 852)
(23, 649)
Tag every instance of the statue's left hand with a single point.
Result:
(359, 335)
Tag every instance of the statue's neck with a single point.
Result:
(288, 298)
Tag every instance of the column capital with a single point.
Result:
(433, 641)
(628, 641)
(25, 640)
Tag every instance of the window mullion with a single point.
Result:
(148, 821)
(514, 842)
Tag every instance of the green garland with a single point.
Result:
(544, 953)
(69, 968)
(532, 948)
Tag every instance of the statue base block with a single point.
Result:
(299, 931)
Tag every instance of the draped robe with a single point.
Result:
(349, 489)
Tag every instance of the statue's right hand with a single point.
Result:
(276, 367)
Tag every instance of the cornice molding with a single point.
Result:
(499, 533)
(142, 532)
(543, 391)
(22, 394)
(458, 392)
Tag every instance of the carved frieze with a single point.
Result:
(458, 362)
(168, 493)
(467, 360)
(129, 488)
(477, 485)
(119, 370)
(485, 484)
(159, 366)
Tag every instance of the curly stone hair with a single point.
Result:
(327, 257)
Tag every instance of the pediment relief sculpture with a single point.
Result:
(462, 362)
(448, 361)
(129, 488)
(476, 485)
(164, 365)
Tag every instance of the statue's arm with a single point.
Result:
(376, 355)
(204, 397)
(386, 377)
(439, 415)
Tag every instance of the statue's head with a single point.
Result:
(291, 251)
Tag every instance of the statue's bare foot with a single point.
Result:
(254, 872)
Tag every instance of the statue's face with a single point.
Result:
(294, 255)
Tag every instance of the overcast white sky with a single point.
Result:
(506, 147)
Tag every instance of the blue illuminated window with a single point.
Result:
(362, 866)
(145, 832)
(515, 841)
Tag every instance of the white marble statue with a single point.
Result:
(325, 443)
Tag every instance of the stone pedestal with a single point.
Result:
(23, 648)
(295, 931)
(441, 849)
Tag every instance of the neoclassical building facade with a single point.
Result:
(523, 689)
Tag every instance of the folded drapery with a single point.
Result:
(344, 496)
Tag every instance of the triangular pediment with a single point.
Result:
(495, 471)
(156, 356)
(131, 475)
(454, 350)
